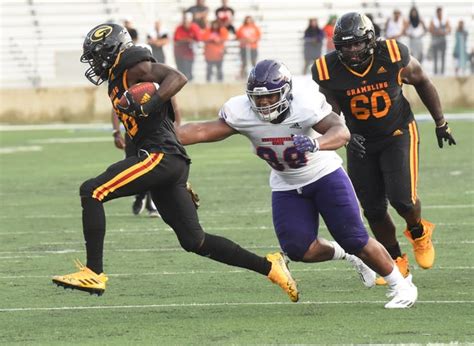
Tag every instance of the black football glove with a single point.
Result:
(443, 132)
(133, 109)
(356, 145)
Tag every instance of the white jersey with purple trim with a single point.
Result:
(273, 142)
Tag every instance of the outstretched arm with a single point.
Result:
(207, 131)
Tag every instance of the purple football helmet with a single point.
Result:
(269, 77)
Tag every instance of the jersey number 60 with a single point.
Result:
(362, 108)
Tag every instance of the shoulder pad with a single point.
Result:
(130, 57)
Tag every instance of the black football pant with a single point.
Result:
(131, 150)
(389, 171)
(165, 175)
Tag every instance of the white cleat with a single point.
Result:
(403, 295)
(366, 274)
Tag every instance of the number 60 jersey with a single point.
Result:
(372, 100)
(274, 144)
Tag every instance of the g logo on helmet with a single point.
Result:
(101, 33)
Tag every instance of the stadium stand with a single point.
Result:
(42, 39)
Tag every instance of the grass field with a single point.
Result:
(158, 294)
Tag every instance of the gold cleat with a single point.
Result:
(423, 247)
(403, 266)
(84, 280)
(280, 275)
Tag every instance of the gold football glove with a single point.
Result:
(194, 195)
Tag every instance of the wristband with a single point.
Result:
(316, 145)
(442, 125)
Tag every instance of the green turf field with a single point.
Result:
(158, 294)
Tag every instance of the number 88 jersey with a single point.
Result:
(274, 144)
(372, 100)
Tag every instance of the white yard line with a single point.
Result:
(220, 272)
(151, 230)
(107, 126)
(172, 249)
(20, 149)
(205, 305)
(206, 212)
(71, 140)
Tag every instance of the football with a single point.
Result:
(141, 92)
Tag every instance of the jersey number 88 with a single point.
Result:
(292, 157)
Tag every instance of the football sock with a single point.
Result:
(93, 224)
(226, 251)
(394, 251)
(339, 252)
(416, 231)
(395, 277)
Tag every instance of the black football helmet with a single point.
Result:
(352, 28)
(101, 47)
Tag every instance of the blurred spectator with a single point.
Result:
(248, 35)
(185, 35)
(127, 23)
(460, 48)
(329, 33)
(377, 29)
(439, 29)
(313, 43)
(214, 49)
(471, 59)
(134, 35)
(394, 26)
(157, 38)
(225, 16)
(199, 12)
(415, 29)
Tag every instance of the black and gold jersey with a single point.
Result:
(372, 101)
(155, 132)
